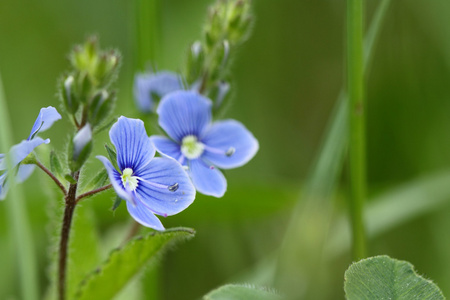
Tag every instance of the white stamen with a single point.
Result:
(127, 178)
(191, 147)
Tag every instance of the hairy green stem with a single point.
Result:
(19, 220)
(357, 151)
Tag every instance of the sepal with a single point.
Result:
(112, 157)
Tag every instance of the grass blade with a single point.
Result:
(20, 227)
(312, 216)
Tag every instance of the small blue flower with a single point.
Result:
(47, 116)
(149, 185)
(150, 87)
(200, 145)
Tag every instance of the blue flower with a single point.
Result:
(199, 144)
(47, 116)
(150, 87)
(149, 185)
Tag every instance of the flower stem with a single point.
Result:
(93, 192)
(70, 203)
(52, 176)
(357, 158)
(147, 32)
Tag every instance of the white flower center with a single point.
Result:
(127, 178)
(191, 147)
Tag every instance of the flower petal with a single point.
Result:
(3, 186)
(229, 135)
(116, 181)
(47, 116)
(166, 147)
(133, 146)
(148, 85)
(24, 172)
(20, 151)
(207, 180)
(156, 182)
(144, 216)
(183, 113)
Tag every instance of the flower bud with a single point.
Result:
(223, 89)
(100, 67)
(100, 107)
(68, 95)
(84, 57)
(106, 67)
(81, 148)
(195, 61)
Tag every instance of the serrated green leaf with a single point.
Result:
(241, 292)
(124, 263)
(112, 156)
(382, 277)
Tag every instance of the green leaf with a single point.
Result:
(124, 263)
(241, 292)
(382, 277)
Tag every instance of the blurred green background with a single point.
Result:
(287, 77)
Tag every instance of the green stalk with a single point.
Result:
(147, 32)
(18, 218)
(357, 151)
(314, 209)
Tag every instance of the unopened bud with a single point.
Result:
(68, 95)
(101, 106)
(81, 147)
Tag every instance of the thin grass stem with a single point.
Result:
(357, 151)
(147, 32)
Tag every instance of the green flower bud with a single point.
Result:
(106, 68)
(85, 84)
(84, 57)
(101, 106)
(100, 67)
(195, 61)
